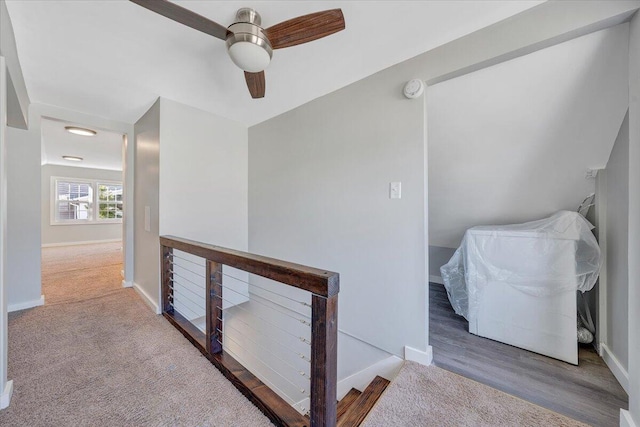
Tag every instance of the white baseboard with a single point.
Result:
(126, 284)
(419, 356)
(436, 279)
(626, 420)
(84, 242)
(387, 368)
(5, 398)
(26, 304)
(147, 299)
(616, 367)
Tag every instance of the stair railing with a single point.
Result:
(268, 325)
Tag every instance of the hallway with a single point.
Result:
(96, 355)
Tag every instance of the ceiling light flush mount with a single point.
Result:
(80, 131)
(248, 45)
(73, 158)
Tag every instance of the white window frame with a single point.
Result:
(94, 218)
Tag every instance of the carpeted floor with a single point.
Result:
(430, 396)
(98, 356)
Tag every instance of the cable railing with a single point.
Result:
(268, 325)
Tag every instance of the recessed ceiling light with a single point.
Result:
(72, 158)
(80, 131)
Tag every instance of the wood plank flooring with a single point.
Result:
(358, 409)
(588, 392)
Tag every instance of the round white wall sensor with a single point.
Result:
(413, 88)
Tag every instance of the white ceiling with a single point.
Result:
(101, 151)
(114, 58)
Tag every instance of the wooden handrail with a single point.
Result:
(324, 286)
(317, 281)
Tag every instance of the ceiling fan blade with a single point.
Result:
(305, 28)
(255, 83)
(184, 16)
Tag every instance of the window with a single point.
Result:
(74, 201)
(109, 201)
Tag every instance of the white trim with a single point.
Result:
(147, 299)
(616, 367)
(626, 420)
(5, 398)
(26, 304)
(436, 279)
(419, 356)
(386, 368)
(601, 229)
(126, 284)
(84, 242)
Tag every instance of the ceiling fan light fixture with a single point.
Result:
(80, 131)
(248, 47)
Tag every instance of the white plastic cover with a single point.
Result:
(541, 258)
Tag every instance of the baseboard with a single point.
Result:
(5, 398)
(84, 242)
(626, 420)
(436, 279)
(147, 299)
(126, 284)
(419, 356)
(616, 367)
(387, 368)
(26, 304)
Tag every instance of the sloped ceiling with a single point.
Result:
(114, 58)
(512, 143)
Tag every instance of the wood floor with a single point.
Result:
(587, 392)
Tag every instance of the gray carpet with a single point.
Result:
(107, 360)
(430, 396)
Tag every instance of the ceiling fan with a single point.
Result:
(248, 44)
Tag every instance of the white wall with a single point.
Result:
(5, 387)
(60, 234)
(319, 195)
(633, 416)
(512, 142)
(617, 244)
(146, 278)
(203, 176)
(23, 219)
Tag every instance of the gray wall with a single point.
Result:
(146, 276)
(60, 234)
(438, 256)
(634, 220)
(617, 226)
(319, 195)
(23, 219)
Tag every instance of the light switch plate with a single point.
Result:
(395, 190)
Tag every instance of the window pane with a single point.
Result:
(110, 201)
(74, 201)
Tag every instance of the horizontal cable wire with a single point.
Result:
(301, 390)
(185, 268)
(304, 322)
(190, 281)
(264, 289)
(291, 401)
(197, 303)
(304, 340)
(297, 353)
(188, 260)
(196, 315)
(187, 288)
(301, 373)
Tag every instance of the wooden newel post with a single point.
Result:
(214, 307)
(324, 361)
(166, 257)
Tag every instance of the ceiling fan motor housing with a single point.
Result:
(248, 45)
